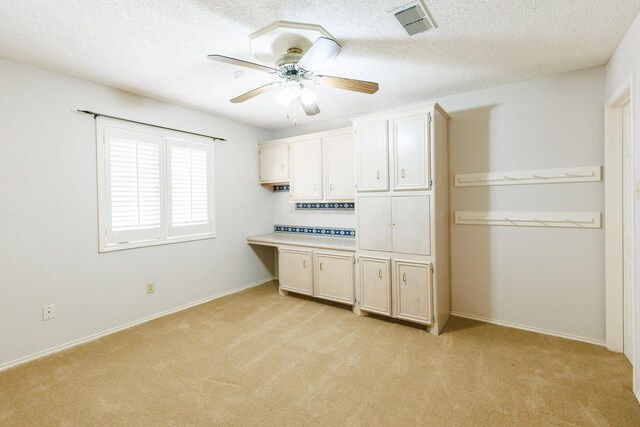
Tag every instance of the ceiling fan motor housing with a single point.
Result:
(287, 64)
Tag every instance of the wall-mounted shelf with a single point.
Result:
(531, 219)
(538, 176)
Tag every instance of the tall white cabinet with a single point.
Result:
(402, 211)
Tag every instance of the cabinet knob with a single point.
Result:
(402, 174)
(404, 277)
(321, 267)
(304, 263)
(331, 187)
(380, 273)
(378, 174)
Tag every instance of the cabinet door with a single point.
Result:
(411, 153)
(334, 277)
(413, 291)
(411, 225)
(374, 223)
(373, 156)
(274, 163)
(339, 167)
(296, 273)
(305, 161)
(375, 285)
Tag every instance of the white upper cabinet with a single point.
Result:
(411, 225)
(305, 158)
(411, 153)
(373, 156)
(339, 167)
(318, 167)
(274, 163)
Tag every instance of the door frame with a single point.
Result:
(614, 285)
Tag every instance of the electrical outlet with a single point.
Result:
(48, 312)
(151, 287)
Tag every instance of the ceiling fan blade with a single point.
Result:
(310, 107)
(254, 92)
(348, 84)
(321, 51)
(241, 63)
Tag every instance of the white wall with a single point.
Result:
(550, 279)
(541, 278)
(623, 65)
(48, 210)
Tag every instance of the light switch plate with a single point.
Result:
(48, 312)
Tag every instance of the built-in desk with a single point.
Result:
(321, 267)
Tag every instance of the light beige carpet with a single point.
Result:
(256, 358)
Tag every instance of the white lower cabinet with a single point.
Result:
(413, 291)
(375, 285)
(334, 277)
(323, 274)
(407, 296)
(296, 271)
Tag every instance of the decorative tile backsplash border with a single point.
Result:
(280, 188)
(317, 231)
(326, 206)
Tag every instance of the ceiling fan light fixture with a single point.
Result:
(307, 96)
(289, 92)
(283, 98)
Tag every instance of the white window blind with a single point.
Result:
(189, 180)
(135, 184)
(154, 188)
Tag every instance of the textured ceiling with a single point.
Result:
(158, 48)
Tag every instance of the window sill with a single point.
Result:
(146, 243)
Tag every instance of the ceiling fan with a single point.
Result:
(296, 70)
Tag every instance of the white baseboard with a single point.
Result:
(89, 338)
(528, 328)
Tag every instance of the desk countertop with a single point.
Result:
(281, 239)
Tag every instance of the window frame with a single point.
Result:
(106, 237)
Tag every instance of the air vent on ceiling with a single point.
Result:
(413, 17)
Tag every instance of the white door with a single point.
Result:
(295, 271)
(410, 217)
(373, 156)
(413, 291)
(334, 277)
(375, 285)
(339, 167)
(305, 164)
(628, 233)
(274, 163)
(374, 223)
(411, 153)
